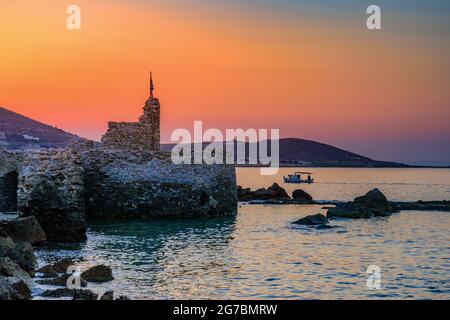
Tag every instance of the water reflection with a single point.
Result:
(158, 255)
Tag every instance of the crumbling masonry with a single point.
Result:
(142, 135)
(125, 177)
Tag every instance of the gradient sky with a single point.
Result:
(310, 68)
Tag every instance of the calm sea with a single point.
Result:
(260, 254)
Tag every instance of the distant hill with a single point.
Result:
(300, 152)
(20, 132)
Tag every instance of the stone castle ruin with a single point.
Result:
(126, 176)
(142, 135)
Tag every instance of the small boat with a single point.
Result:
(297, 177)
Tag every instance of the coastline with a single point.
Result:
(400, 166)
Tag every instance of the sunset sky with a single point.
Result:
(310, 68)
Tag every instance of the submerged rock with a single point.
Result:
(60, 281)
(372, 204)
(301, 196)
(344, 211)
(52, 270)
(324, 226)
(76, 294)
(423, 205)
(61, 266)
(100, 273)
(108, 295)
(48, 272)
(84, 294)
(24, 229)
(313, 220)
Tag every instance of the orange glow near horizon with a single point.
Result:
(310, 77)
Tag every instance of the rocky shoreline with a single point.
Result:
(20, 275)
(276, 195)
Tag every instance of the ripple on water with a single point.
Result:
(258, 255)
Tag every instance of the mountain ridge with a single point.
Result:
(20, 132)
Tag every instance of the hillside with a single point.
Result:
(19, 132)
(300, 152)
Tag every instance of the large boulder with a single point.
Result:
(12, 288)
(9, 268)
(372, 204)
(24, 229)
(373, 200)
(100, 273)
(278, 191)
(301, 196)
(313, 220)
(20, 252)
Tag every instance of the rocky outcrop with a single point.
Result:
(51, 188)
(19, 252)
(75, 294)
(372, 204)
(312, 220)
(62, 188)
(274, 192)
(100, 273)
(17, 265)
(12, 288)
(9, 268)
(422, 205)
(24, 229)
(141, 184)
(301, 196)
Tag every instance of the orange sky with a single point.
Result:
(314, 74)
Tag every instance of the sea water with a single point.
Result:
(260, 254)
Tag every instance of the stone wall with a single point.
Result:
(130, 184)
(128, 135)
(51, 187)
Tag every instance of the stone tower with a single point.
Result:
(142, 135)
(151, 118)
